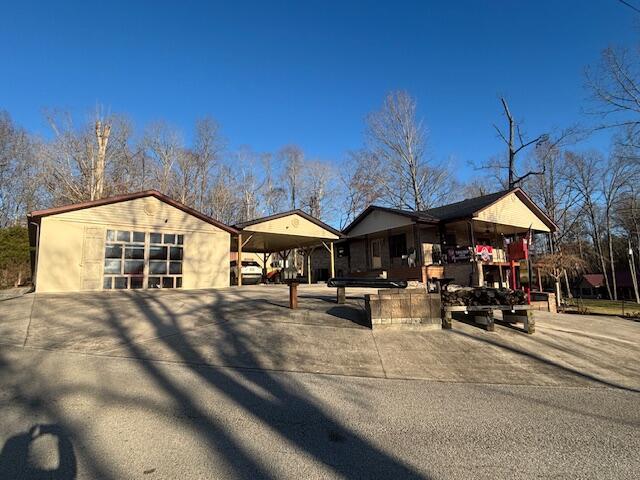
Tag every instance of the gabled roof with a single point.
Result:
(464, 209)
(297, 211)
(422, 217)
(595, 280)
(131, 196)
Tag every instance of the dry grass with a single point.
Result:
(586, 306)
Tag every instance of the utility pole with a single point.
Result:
(632, 267)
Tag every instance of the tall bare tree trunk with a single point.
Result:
(611, 262)
(566, 282)
(632, 268)
(102, 137)
(597, 241)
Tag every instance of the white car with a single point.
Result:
(251, 272)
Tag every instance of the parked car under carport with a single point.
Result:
(251, 272)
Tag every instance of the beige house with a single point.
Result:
(463, 240)
(140, 240)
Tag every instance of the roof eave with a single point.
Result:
(38, 214)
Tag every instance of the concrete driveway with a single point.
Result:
(250, 327)
(223, 384)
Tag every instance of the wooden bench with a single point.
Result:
(342, 283)
(483, 315)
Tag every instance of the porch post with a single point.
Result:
(309, 266)
(417, 240)
(333, 263)
(239, 262)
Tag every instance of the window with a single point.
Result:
(123, 260)
(165, 260)
(130, 262)
(397, 245)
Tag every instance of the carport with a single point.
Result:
(284, 232)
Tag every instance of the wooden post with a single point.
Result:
(293, 295)
(513, 275)
(341, 296)
(333, 262)
(446, 319)
(539, 279)
(309, 266)
(239, 262)
(501, 277)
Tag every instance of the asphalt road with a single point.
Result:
(92, 416)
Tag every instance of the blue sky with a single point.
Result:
(308, 72)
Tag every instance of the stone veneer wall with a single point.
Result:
(404, 307)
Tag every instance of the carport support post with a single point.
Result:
(309, 266)
(333, 262)
(239, 262)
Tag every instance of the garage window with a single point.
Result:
(165, 260)
(139, 260)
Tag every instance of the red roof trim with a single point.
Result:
(132, 196)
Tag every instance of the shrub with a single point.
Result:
(14, 256)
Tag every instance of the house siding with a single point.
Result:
(510, 210)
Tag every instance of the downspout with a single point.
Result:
(35, 260)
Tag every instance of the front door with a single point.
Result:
(376, 253)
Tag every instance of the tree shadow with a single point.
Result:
(288, 409)
(546, 361)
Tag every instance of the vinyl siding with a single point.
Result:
(379, 221)
(294, 225)
(510, 210)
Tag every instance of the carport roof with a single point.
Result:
(285, 231)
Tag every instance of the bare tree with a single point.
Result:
(292, 159)
(273, 194)
(317, 188)
(103, 130)
(184, 179)
(248, 184)
(615, 182)
(554, 190)
(558, 265)
(163, 145)
(208, 148)
(397, 138)
(130, 169)
(222, 203)
(478, 188)
(361, 179)
(615, 88)
(77, 160)
(19, 172)
(515, 144)
(586, 170)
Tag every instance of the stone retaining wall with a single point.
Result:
(404, 307)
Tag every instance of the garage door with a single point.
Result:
(139, 259)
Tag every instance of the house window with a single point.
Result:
(397, 245)
(131, 263)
